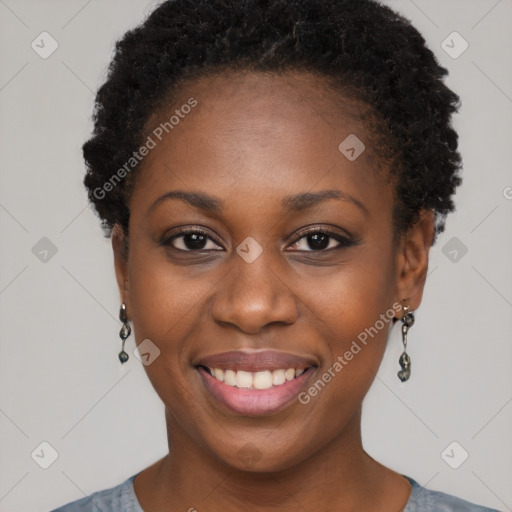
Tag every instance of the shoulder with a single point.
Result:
(121, 497)
(425, 500)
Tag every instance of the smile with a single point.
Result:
(254, 383)
(255, 380)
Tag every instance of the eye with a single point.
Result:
(313, 240)
(192, 239)
(320, 239)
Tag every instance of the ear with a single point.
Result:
(412, 260)
(120, 248)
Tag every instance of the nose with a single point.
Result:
(252, 296)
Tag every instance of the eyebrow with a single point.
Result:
(291, 203)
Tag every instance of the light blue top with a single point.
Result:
(122, 499)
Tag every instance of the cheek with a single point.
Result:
(163, 301)
(355, 309)
(353, 297)
(164, 305)
(168, 303)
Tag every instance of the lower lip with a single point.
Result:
(254, 402)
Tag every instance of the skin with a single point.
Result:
(252, 139)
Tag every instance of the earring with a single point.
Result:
(405, 360)
(124, 333)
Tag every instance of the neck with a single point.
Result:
(338, 476)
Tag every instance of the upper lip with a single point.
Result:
(255, 361)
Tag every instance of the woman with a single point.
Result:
(273, 175)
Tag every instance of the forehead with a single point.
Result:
(260, 135)
(260, 106)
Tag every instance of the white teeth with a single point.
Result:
(257, 380)
(289, 374)
(262, 380)
(278, 377)
(230, 377)
(243, 379)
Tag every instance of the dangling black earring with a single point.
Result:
(405, 360)
(124, 333)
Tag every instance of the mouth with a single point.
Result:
(254, 383)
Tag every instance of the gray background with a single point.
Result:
(60, 379)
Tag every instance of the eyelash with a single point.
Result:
(344, 242)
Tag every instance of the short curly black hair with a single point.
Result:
(365, 47)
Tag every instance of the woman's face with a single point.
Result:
(257, 163)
